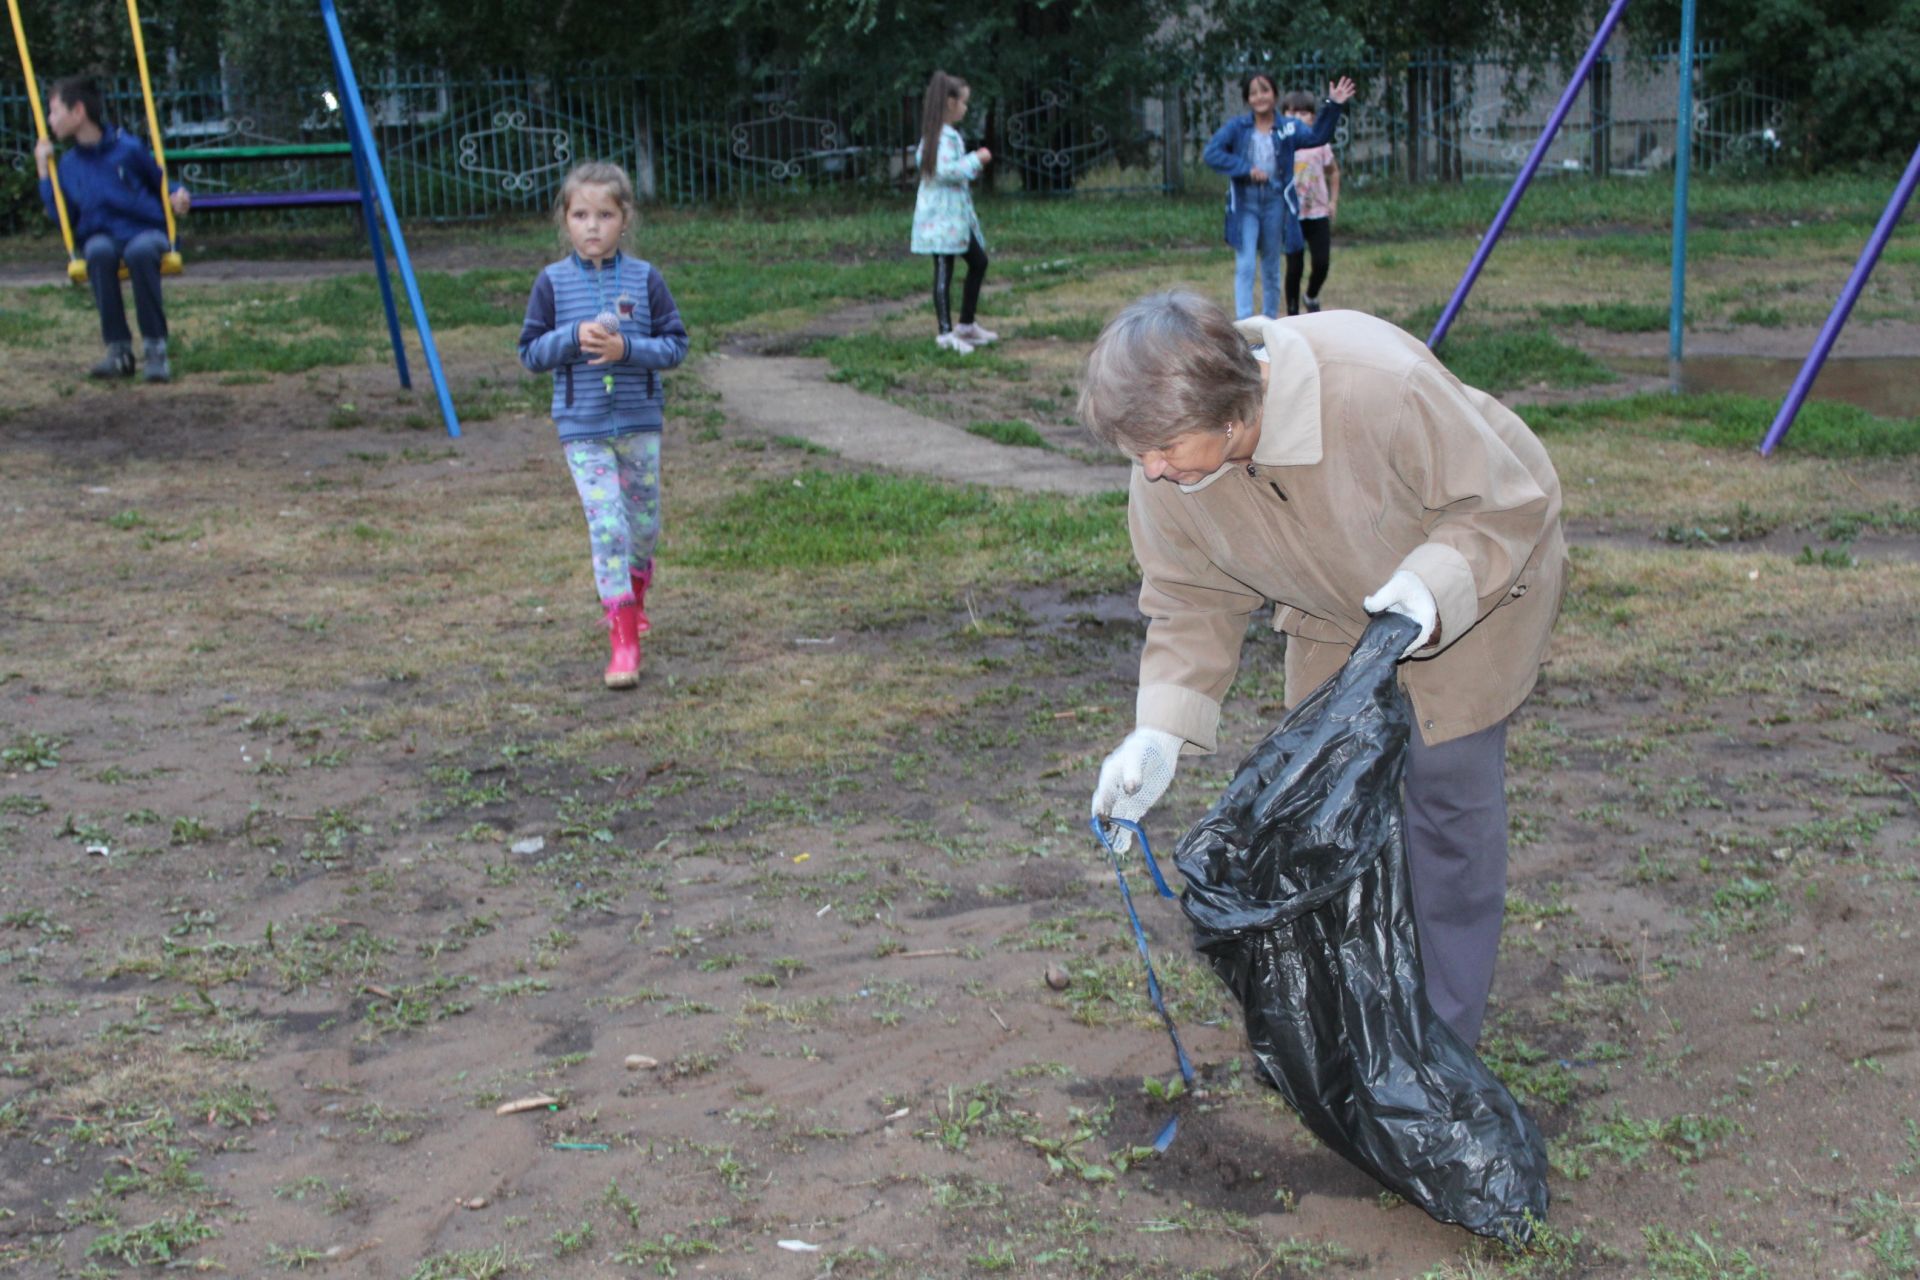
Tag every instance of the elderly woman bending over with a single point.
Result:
(1330, 465)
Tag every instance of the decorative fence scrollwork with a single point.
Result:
(784, 143)
(521, 157)
(1051, 143)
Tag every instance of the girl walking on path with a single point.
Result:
(944, 223)
(1256, 151)
(1316, 184)
(603, 322)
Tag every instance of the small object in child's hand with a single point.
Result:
(610, 322)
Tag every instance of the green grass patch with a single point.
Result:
(152, 1243)
(1672, 1256)
(1500, 359)
(876, 224)
(1614, 317)
(877, 363)
(1531, 1073)
(1010, 431)
(718, 294)
(253, 351)
(24, 329)
(469, 1264)
(820, 520)
(454, 301)
(1723, 420)
(1080, 328)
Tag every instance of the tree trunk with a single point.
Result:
(1173, 136)
(1414, 121)
(1454, 113)
(1600, 108)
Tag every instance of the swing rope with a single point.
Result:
(40, 130)
(171, 263)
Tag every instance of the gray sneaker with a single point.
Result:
(117, 363)
(157, 368)
(1313, 305)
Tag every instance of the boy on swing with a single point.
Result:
(112, 190)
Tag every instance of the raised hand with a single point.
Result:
(1341, 90)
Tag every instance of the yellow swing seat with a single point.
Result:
(171, 264)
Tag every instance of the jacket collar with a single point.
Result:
(1290, 415)
(1290, 418)
(584, 265)
(109, 134)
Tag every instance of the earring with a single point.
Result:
(1229, 432)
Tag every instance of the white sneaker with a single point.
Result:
(955, 343)
(974, 334)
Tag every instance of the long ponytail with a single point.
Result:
(941, 90)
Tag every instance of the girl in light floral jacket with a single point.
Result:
(944, 224)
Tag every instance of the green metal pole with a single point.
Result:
(1682, 155)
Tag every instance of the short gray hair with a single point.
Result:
(1169, 364)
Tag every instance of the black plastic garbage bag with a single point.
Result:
(1297, 890)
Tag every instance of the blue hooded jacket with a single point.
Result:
(1230, 152)
(112, 188)
(570, 293)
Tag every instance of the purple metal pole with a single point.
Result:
(1837, 319)
(1539, 153)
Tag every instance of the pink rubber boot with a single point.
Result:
(623, 619)
(642, 579)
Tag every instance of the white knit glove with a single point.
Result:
(1409, 597)
(1134, 777)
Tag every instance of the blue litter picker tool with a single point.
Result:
(1099, 825)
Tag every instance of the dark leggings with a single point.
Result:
(1319, 236)
(970, 292)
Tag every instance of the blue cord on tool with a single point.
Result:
(1165, 1139)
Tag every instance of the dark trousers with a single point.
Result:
(976, 258)
(142, 255)
(1456, 807)
(1318, 233)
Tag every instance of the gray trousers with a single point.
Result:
(142, 255)
(1456, 807)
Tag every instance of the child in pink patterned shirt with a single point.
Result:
(1316, 184)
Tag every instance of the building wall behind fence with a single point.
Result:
(1440, 118)
(473, 147)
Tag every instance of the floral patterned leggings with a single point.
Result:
(619, 484)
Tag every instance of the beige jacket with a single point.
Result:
(1372, 458)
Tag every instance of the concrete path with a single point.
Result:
(791, 396)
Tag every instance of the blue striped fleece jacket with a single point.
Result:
(571, 292)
